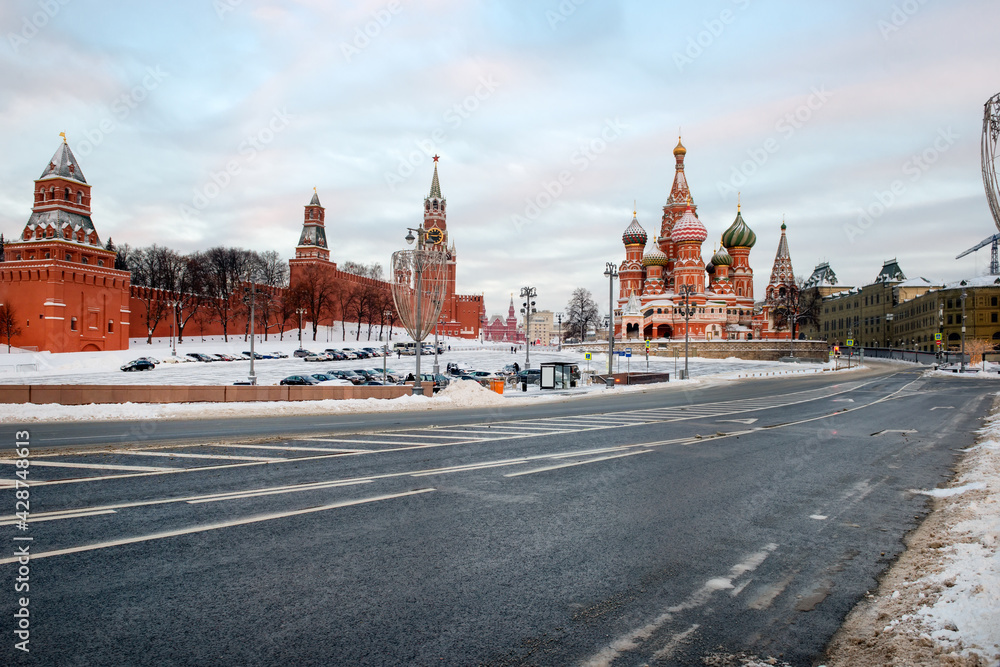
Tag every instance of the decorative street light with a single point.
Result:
(300, 312)
(963, 331)
(252, 297)
(528, 309)
(174, 305)
(611, 272)
(559, 320)
(418, 275)
(686, 291)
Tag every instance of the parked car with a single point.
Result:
(440, 381)
(350, 376)
(335, 354)
(303, 380)
(222, 356)
(330, 378)
(359, 354)
(256, 355)
(198, 356)
(176, 360)
(457, 368)
(279, 355)
(319, 356)
(349, 353)
(373, 351)
(532, 375)
(139, 365)
(301, 352)
(391, 376)
(152, 360)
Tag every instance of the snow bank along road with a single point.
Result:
(660, 527)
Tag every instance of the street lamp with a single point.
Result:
(963, 331)
(559, 331)
(418, 388)
(686, 291)
(611, 272)
(528, 309)
(300, 312)
(174, 305)
(253, 301)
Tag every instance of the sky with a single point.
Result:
(209, 122)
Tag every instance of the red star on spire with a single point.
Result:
(436, 157)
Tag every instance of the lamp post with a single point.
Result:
(559, 331)
(174, 305)
(611, 272)
(686, 291)
(528, 309)
(963, 331)
(418, 388)
(300, 312)
(437, 367)
(253, 301)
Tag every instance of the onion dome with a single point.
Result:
(634, 234)
(739, 234)
(654, 257)
(689, 228)
(722, 258)
(680, 150)
(710, 269)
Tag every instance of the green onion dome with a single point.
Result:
(723, 258)
(739, 234)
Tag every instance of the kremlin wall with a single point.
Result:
(62, 286)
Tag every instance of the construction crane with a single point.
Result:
(991, 132)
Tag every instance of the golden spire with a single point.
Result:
(314, 189)
(63, 135)
(635, 208)
(738, 201)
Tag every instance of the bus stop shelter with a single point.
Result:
(557, 375)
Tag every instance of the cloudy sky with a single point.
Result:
(205, 122)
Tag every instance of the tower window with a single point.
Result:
(111, 326)
(67, 194)
(79, 197)
(72, 324)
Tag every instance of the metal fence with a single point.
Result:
(916, 356)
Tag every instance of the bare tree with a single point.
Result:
(190, 291)
(9, 327)
(157, 270)
(226, 271)
(315, 291)
(344, 297)
(581, 312)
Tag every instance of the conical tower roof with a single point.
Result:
(63, 164)
(782, 272)
(435, 185)
(315, 199)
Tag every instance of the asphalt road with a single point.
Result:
(652, 528)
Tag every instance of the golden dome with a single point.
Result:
(679, 150)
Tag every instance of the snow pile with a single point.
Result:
(468, 394)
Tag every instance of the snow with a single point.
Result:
(952, 491)
(103, 368)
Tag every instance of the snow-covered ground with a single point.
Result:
(104, 368)
(940, 603)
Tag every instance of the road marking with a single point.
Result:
(904, 431)
(843, 400)
(943, 407)
(469, 467)
(737, 421)
(699, 598)
(575, 463)
(70, 514)
(818, 517)
(236, 495)
(90, 466)
(214, 526)
(675, 642)
(292, 448)
(221, 457)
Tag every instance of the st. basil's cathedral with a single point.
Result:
(661, 285)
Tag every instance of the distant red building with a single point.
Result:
(505, 331)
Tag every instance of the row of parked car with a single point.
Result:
(335, 354)
(149, 363)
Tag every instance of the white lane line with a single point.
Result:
(221, 457)
(470, 467)
(214, 526)
(576, 463)
(357, 442)
(271, 492)
(454, 430)
(302, 449)
(532, 427)
(91, 466)
(586, 452)
(34, 518)
(438, 437)
(818, 517)
(737, 421)
(904, 431)
(943, 407)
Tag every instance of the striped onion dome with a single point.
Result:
(634, 234)
(739, 234)
(654, 257)
(722, 258)
(689, 228)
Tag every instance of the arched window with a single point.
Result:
(67, 194)
(79, 197)
(72, 324)
(111, 326)
(435, 205)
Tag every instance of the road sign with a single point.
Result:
(647, 343)
(628, 351)
(587, 356)
(850, 342)
(937, 337)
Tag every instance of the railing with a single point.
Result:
(916, 356)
